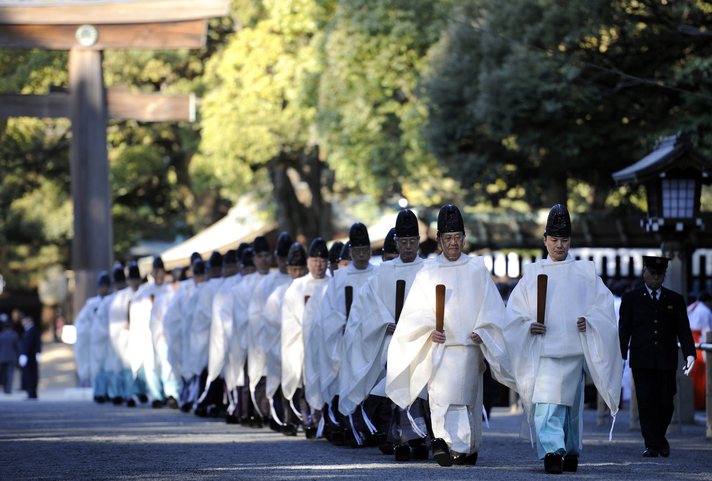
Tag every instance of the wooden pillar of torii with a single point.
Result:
(86, 28)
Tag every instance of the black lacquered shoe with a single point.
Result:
(651, 453)
(402, 452)
(665, 451)
(571, 463)
(419, 451)
(553, 463)
(465, 460)
(441, 452)
(289, 429)
(310, 432)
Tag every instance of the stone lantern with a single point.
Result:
(673, 175)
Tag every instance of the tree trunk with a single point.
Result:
(299, 185)
(555, 191)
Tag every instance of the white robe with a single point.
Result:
(119, 325)
(82, 346)
(104, 355)
(366, 342)
(293, 332)
(312, 336)
(272, 336)
(333, 323)
(256, 342)
(574, 290)
(176, 320)
(237, 334)
(162, 296)
(223, 304)
(199, 330)
(452, 371)
(146, 328)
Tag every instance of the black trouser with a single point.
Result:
(30, 378)
(216, 392)
(655, 390)
(261, 401)
(380, 410)
(300, 404)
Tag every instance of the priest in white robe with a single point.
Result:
(211, 401)
(579, 332)
(108, 378)
(293, 339)
(146, 340)
(449, 363)
(296, 261)
(83, 323)
(256, 321)
(243, 406)
(119, 323)
(338, 298)
(372, 322)
(199, 330)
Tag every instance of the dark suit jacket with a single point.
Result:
(31, 344)
(653, 329)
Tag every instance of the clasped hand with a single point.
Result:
(538, 328)
(439, 337)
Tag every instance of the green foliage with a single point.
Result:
(259, 104)
(538, 92)
(369, 112)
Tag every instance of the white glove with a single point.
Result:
(37, 357)
(22, 360)
(688, 367)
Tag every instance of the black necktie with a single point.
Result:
(654, 294)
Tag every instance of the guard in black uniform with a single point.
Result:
(652, 321)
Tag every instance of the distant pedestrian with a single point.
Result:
(30, 357)
(9, 352)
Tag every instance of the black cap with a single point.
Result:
(284, 243)
(406, 224)
(260, 244)
(230, 257)
(655, 263)
(335, 251)
(558, 224)
(240, 249)
(216, 260)
(358, 235)
(248, 256)
(158, 263)
(195, 256)
(103, 279)
(389, 245)
(297, 256)
(198, 267)
(450, 220)
(134, 273)
(317, 248)
(118, 274)
(345, 254)
(177, 273)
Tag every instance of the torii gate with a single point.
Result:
(86, 28)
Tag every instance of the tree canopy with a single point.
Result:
(497, 105)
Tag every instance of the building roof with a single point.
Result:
(673, 152)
